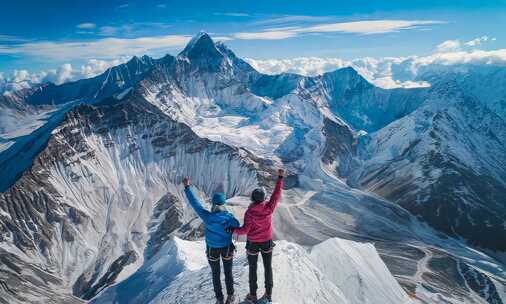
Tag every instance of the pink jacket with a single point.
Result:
(258, 218)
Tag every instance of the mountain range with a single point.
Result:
(91, 206)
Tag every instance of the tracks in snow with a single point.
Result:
(305, 198)
(422, 265)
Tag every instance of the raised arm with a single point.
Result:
(276, 194)
(194, 202)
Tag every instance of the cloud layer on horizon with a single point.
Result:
(387, 72)
(22, 79)
(391, 72)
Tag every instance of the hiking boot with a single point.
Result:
(219, 301)
(266, 299)
(231, 299)
(251, 298)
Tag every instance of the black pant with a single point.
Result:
(227, 256)
(266, 249)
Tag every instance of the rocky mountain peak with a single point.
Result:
(204, 54)
(347, 75)
(145, 59)
(201, 46)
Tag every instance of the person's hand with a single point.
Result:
(281, 173)
(230, 230)
(186, 181)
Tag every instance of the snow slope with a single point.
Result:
(335, 271)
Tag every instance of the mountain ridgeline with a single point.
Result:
(93, 194)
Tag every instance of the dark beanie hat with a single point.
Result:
(258, 195)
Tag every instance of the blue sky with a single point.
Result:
(37, 35)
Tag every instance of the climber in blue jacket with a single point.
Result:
(218, 240)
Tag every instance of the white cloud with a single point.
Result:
(302, 65)
(86, 26)
(232, 14)
(449, 46)
(20, 75)
(106, 48)
(133, 29)
(108, 30)
(64, 73)
(85, 32)
(290, 19)
(9, 38)
(267, 35)
(20, 79)
(477, 41)
(367, 27)
(377, 71)
(356, 27)
(94, 66)
(457, 45)
(495, 57)
(17, 80)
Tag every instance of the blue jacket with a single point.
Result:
(215, 223)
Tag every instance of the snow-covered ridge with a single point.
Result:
(335, 271)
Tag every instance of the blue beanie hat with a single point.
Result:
(218, 198)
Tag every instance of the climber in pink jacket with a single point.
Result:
(258, 228)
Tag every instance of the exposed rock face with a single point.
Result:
(481, 284)
(340, 147)
(167, 218)
(87, 287)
